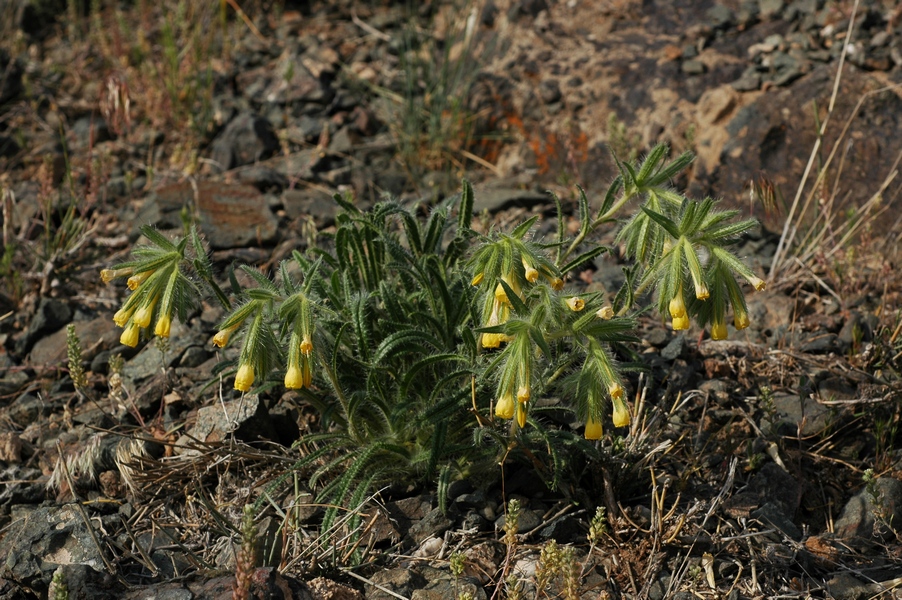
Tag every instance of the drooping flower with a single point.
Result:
(621, 415)
(616, 391)
(531, 273)
(162, 327)
(294, 378)
(557, 284)
(107, 275)
(593, 429)
(222, 336)
(606, 312)
(523, 394)
(504, 409)
(137, 279)
(681, 323)
(130, 336)
(497, 317)
(477, 279)
(521, 415)
(306, 345)
(244, 379)
(701, 291)
(758, 283)
(677, 306)
(576, 303)
(718, 330)
(740, 318)
(145, 312)
(122, 316)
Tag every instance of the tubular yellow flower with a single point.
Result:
(244, 379)
(222, 336)
(557, 284)
(135, 280)
(306, 345)
(144, 313)
(504, 409)
(307, 373)
(532, 274)
(521, 415)
(294, 378)
(740, 318)
(497, 317)
(576, 303)
(605, 312)
(677, 306)
(701, 291)
(681, 323)
(129, 337)
(718, 331)
(107, 275)
(122, 316)
(523, 393)
(162, 326)
(621, 413)
(477, 279)
(616, 391)
(593, 430)
(758, 283)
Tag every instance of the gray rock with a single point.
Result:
(693, 67)
(247, 139)
(50, 316)
(873, 514)
(675, 348)
(47, 537)
(793, 415)
(231, 216)
(773, 515)
(820, 343)
(494, 199)
(433, 524)
(549, 91)
(768, 9)
(245, 417)
(749, 81)
(399, 581)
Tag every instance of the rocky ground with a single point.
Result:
(769, 464)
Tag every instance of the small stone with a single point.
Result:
(873, 514)
(693, 67)
(247, 139)
(549, 91)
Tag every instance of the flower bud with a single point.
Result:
(758, 283)
(557, 284)
(531, 274)
(122, 316)
(523, 393)
(477, 279)
(718, 331)
(701, 291)
(740, 319)
(677, 306)
(505, 407)
(306, 345)
(244, 379)
(137, 279)
(163, 325)
(294, 378)
(593, 430)
(130, 336)
(621, 413)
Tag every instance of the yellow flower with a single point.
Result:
(593, 430)
(497, 317)
(718, 331)
(576, 304)
(222, 336)
(135, 280)
(244, 379)
(129, 337)
(557, 284)
(681, 323)
(758, 283)
(605, 312)
(523, 393)
(505, 407)
(107, 275)
(162, 327)
(621, 413)
(144, 313)
(701, 291)
(532, 275)
(477, 279)
(307, 373)
(677, 306)
(122, 316)
(306, 345)
(616, 391)
(521, 415)
(294, 379)
(740, 319)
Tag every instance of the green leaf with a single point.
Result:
(157, 238)
(668, 225)
(410, 340)
(650, 164)
(671, 170)
(516, 302)
(524, 227)
(465, 210)
(583, 259)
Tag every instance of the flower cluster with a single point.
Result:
(158, 283)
